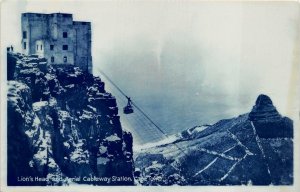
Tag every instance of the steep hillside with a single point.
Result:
(252, 149)
(63, 127)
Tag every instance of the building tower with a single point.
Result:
(58, 38)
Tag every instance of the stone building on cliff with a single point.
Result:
(58, 38)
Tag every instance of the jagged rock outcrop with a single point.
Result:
(20, 150)
(264, 110)
(63, 126)
(267, 120)
(238, 151)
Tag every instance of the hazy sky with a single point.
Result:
(223, 53)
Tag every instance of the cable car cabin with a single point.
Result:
(128, 109)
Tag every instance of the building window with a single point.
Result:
(65, 47)
(24, 45)
(52, 59)
(37, 47)
(65, 34)
(65, 59)
(24, 34)
(41, 47)
(51, 47)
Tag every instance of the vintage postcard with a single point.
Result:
(150, 95)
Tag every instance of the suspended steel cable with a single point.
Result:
(138, 108)
(113, 83)
(137, 120)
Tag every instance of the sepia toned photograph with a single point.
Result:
(180, 95)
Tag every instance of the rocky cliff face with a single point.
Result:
(63, 127)
(267, 120)
(252, 149)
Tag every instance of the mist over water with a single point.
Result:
(171, 85)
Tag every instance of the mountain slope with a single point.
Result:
(254, 148)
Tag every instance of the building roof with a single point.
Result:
(47, 14)
(81, 23)
(57, 14)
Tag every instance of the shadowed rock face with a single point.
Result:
(20, 150)
(62, 123)
(268, 122)
(264, 110)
